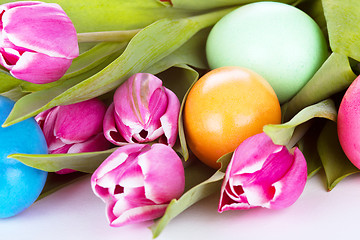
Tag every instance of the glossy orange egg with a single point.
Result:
(223, 108)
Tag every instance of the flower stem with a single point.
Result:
(109, 36)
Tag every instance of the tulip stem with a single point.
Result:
(109, 36)
(299, 132)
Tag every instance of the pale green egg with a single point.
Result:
(278, 41)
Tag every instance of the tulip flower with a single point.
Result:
(262, 174)
(143, 111)
(74, 128)
(138, 181)
(37, 42)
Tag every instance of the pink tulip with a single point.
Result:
(138, 181)
(143, 111)
(74, 128)
(37, 41)
(262, 174)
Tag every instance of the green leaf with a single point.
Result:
(36, 102)
(308, 146)
(14, 94)
(336, 165)
(191, 53)
(206, 4)
(83, 162)
(7, 82)
(87, 61)
(196, 173)
(335, 75)
(282, 133)
(143, 51)
(114, 15)
(343, 19)
(180, 79)
(190, 197)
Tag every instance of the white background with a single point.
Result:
(76, 213)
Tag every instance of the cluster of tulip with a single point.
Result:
(142, 111)
(108, 110)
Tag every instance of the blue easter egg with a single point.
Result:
(20, 185)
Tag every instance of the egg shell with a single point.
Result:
(348, 122)
(223, 108)
(278, 41)
(20, 185)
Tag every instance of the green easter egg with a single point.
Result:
(278, 41)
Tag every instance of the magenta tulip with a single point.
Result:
(143, 111)
(262, 174)
(74, 128)
(37, 42)
(138, 181)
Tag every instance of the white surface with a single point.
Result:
(76, 213)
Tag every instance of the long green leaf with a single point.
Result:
(336, 165)
(180, 79)
(334, 76)
(342, 18)
(143, 51)
(114, 15)
(282, 133)
(32, 104)
(90, 59)
(206, 4)
(308, 146)
(7, 82)
(192, 53)
(83, 162)
(192, 196)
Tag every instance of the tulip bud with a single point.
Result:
(143, 111)
(37, 42)
(74, 128)
(262, 174)
(138, 181)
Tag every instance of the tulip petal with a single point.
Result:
(9, 57)
(134, 207)
(286, 193)
(252, 155)
(112, 162)
(78, 122)
(39, 68)
(122, 213)
(258, 187)
(266, 176)
(10, 5)
(169, 121)
(132, 97)
(93, 144)
(41, 117)
(155, 170)
(157, 106)
(134, 103)
(48, 126)
(111, 133)
(47, 25)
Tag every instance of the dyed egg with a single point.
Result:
(223, 108)
(348, 122)
(20, 185)
(278, 41)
